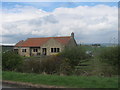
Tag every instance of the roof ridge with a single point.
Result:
(50, 37)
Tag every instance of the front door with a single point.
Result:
(44, 51)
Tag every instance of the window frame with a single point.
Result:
(24, 50)
(55, 50)
(52, 50)
(35, 50)
(58, 49)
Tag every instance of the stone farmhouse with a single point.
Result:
(44, 46)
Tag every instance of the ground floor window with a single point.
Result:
(16, 51)
(35, 50)
(55, 50)
(23, 50)
(58, 49)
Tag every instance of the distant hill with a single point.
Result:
(109, 44)
(102, 44)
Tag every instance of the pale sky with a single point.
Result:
(92, 22)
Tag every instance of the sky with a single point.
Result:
(91, 22)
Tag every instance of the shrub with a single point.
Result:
(11, 61)
(110, 56)
(74, 54)
(51, 64)
(31, 66)
(65, 67)
(48, 65)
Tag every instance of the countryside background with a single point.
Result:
(93, 63)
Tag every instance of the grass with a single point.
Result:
(95, 66)
(0, 74)
(66, 81)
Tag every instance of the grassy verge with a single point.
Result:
(66, 81)
(0, 74)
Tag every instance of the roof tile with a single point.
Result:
(37, 42)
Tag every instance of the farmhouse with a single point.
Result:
(44, 46)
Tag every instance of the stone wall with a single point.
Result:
(72, 43)
(27, 53)
(35, 53)
(52, 43)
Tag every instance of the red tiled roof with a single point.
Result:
(36, 42)
(19, 43)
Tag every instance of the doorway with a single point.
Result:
(44, 51)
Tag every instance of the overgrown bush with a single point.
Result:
(51, 64)
(65, 67)
(11, 61)
(110, 56)
(30, 66)
(75, 55)
(48, 65)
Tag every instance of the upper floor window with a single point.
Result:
(23, 50)
(35, 50)
(55, 50)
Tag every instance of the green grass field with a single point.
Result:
(66, 81)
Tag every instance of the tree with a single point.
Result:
(111, 56)
(11, 61)
(74, 54)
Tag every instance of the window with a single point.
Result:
(51, 49)
(23, 50)
(35, 50)
(58, 49)
(55, 50)
(16, 51)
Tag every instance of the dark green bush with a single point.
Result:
(11, 61)
(51, 64)
(48, 65)
(65, 67)
(110, 58)
(31, 66)
(74, 54)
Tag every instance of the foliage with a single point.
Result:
(62, 63)
(11, 61)
(66, 81)
(110, 56)
(71, 61)
(30, 66)
(109, 61)
(48, 65)
(74, 54)
(51, 64)
(65, 67)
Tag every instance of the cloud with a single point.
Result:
(91, 24)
